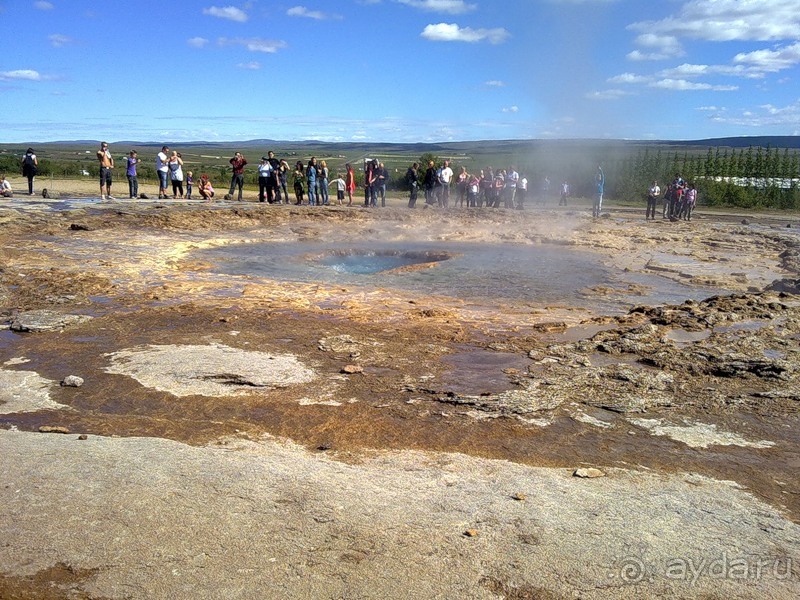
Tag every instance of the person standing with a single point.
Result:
(30, 166)
(369, 180)
(381, 177)
(106, 171)
(600, 182)
(429, 183)
(340, 186)
(564, 194)
(350, 183)
(510, 188)
(265, 180)
(412, 179)
(283, 174)
(274, 181)
(162, 169)
(522, 191)
(445, 177)
(176, 174)
(130, 172)
(189, 182)
(653, 193)
(298, 177)
(473, 189)
(323, 174)
(237, 163)
(311, 181)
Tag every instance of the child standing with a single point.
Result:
(189, 182)
(340, 187)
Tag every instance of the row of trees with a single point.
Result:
(747, 177)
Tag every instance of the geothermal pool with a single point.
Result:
(482, 273)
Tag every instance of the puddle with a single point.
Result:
(579, 333)
(481, 371)
(681, 337)
(746, 326)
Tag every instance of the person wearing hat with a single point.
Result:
(265, 179)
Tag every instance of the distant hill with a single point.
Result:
(773, 141)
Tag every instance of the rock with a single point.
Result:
(83, 436)
(143, 196)
(471, 533)
(72, 381)
(78, 227)
(518, 496)
(352, 369)
(588, 473)
(745, 222)
(45, 320)
(49, 429)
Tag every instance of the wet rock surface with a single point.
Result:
(245, 379)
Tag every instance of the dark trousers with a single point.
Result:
(412, 196)
(237, 181)
(651, 208)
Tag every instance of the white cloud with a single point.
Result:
(444, 32)
(24, 74)
(628, 78)
(197, 42)
(767, 115)
(687, 70)
(660, 47)
(227, 12)
(58, 40)
(613, 94)
(771, 60)
(494, 83)
(302, 11)
(254, 44)
(682, 85)
(42, 5)
(511, 109)
(453, 7)
(249, 66)
(728, 20)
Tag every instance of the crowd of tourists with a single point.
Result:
(310, 183)
(679, 200)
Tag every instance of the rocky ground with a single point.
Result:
(229, 436)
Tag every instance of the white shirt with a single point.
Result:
(5, 186)
(446, 175)
(161, 162)
(264, 170)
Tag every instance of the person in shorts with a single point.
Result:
(106, 171)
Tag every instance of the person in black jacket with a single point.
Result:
(412, 178)
(429, 183)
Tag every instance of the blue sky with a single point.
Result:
(398, 70)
